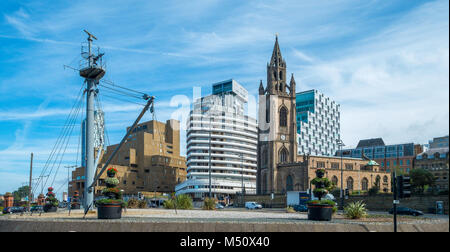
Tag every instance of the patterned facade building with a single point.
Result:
(280, 167)
(318, 123)
(149, 161)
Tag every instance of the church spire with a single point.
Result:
(261, 88)
(277, 59)
(292, 85)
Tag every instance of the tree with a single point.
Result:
(421, 178)
(21, 193)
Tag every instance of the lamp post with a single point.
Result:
(340, 143)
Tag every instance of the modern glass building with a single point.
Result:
(222, 140)
(388, 156)
(318, 123)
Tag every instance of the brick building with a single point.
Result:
(435, 160)
(149, 161)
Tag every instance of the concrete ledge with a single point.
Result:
(121, 226)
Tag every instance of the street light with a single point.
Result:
(340, 143)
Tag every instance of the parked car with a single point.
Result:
(14, 210)
(300, 208)
(406, 211)
(252, 205)
(37, 209)
(6, 210)
(219, 206)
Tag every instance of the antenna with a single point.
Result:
(90, 35)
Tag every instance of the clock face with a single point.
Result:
(283, 137)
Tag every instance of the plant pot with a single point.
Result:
(109, 211)
(50, 208)
(320, 212)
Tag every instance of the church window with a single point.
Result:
(283, 156)
(283, 117)
(281, 75)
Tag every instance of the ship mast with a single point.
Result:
(92, 72)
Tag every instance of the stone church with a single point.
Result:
(280, 168)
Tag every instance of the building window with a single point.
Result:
(334, 180)
(283, 155)
(283, 117)
(334, 165)
(320, 164)
(349, 166)
(350, 183)
(364, 184)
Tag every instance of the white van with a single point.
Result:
(252, 205)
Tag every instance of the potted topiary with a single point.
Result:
(75, 203)
(51, 203)
(320, 209)
(110, 207)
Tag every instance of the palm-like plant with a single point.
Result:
(355, 210)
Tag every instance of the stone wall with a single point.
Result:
(374, 203)
(384, 202)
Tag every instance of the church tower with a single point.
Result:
(277, 143)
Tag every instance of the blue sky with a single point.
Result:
(385, 62)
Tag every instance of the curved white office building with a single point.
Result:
(221, 145)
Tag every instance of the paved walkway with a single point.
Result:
(226, 220)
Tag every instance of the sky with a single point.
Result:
(385, 62)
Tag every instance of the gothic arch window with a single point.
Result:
(385, 179)
(334, 180)
(281, 75)
(377, 181)
(264, 157)
(267, 109)
(289, 183)
(283, 117)
(364, 184)
(283, 156)
(350, 183)
(275, 75)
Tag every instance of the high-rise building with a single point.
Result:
(318, 123)
(221, 144)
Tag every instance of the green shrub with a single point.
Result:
(184, 201)
(169, 204)
(1, 209)
(209, 204)
(110, 201)
(373, 191)
(355, 210)
(133, 203)
(142, 204)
